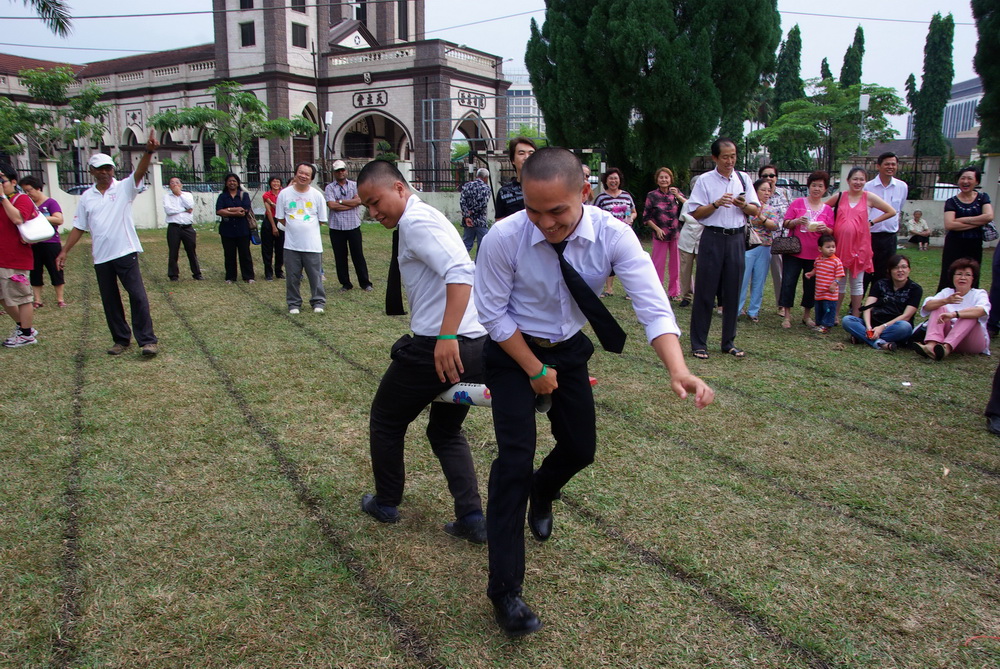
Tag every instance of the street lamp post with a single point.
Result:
(862, 107)
(79, 158)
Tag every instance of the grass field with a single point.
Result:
(200, 509)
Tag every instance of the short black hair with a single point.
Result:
(8, 171)
(855, 170)
(553, 163)
(613, 170)
(824, 238)
(970, 168)
(884, 157)
(309, 165)
(769, 166)
(719, 143)
(512, 145)
(239, 183)
(31, 180)
(381, 171)
(819, 175)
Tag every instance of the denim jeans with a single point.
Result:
(758, 262)
(897, 332)
(826, 312)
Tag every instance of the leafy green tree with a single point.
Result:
(237, 121)
(929, 102)
(850, 72)
(47, 125)
(828, 122)
(788, 86)
(824, 70)
(987, 64)
(54, 14)
(658, 78)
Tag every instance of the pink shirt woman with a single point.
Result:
(806, 218)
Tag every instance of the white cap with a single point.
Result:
(339, 165)
(100, 160)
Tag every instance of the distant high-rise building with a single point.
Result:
(522, 107)
(960, 118)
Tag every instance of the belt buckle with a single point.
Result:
(543, 343)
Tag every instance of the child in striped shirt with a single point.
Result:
(827, 269)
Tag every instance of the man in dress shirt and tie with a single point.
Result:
(528, 301)
(894, 191)
(721, 200)
(178, 204)
(445, 348)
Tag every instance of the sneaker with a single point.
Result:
(293, 311)
(344, 289)
(149, 350)
(20, 340)
(474, 532)
(318, 310)
(118, 349)
(383, 514)
(16, 332)
(251, 281)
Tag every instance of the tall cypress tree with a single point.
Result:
(656, 75)
(824, 70)
(788, 87)
(987, 64)
(929, 102)
(850, 72)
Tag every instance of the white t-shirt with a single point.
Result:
(303, 213)
(108, 219)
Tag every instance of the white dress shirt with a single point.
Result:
(519, 284)
(895, 194)
(302, 213)
(176, 208)
(431, 256)
(710, 187)
(108, 219)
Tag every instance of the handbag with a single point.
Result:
(753, 239)
(785, 245)
(35, 229)
(990, 233)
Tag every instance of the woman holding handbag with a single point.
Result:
(806, 219)
(233, 206)
(758, 259)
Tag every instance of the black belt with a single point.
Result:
(724, 231)
(542, 342)
(884, 233)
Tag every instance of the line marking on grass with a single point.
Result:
(948, 554)
(71, 588)
(408, 637)
(754, 621)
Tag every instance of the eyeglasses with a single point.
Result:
(768, 176)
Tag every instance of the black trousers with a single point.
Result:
(955, 248)
(721, 259)
(790, 271)
(343, 241)
(993, 405)
(572, 420)
(883, 248)
(45, 258)
(126, 270)
(272, 247)
(233, 247)
(408, 386)
(177, 235)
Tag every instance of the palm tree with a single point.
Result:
(54, 14)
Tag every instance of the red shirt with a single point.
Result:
(14, 253)
(828, 270)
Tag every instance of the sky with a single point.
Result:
(893, 48)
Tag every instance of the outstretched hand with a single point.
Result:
(690, 384)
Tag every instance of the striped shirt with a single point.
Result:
(343, 220)
(828, 270)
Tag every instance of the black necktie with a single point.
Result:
(394, 285)
(608, 332)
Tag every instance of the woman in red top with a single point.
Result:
(272, 240)
(16, 260)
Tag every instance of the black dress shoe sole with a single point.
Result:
(463, 531)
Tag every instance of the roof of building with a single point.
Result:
(190, 54)
(339, 31)
(11, 64)
(966, 88)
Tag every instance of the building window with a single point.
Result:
(299, 6)
(403, 19)
(247, 35)
(246, 4)
(299, 35)
(361, 12)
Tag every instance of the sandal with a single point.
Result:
(63, 304)
(37, 305)
(606, 294)
(754, 319)
(700, 353)
(888, 346)
(808, 322)
(736, 353)
(939, 352)
(786, 324)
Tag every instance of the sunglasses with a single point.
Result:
(768, 176)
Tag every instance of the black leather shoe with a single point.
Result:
(514, 617)
(993, 424)
(474, 532)
(539, 517)
(378, 512)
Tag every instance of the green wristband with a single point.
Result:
(539, 374)
(448, 336)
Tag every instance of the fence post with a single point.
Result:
(156, 183)
(405, 168)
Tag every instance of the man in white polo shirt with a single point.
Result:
(105, 211)
(894, 191)
(300, 210)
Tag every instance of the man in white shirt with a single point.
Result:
(178, 204)
(445, 348)
(300, 210)
(105, 211)
(536, 347)
(894, 191)
(721, 200)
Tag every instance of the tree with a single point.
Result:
(237, 120)
(788, 86)
(929, 102)
(48, 125)
(828, 121)
(824, 70)
(987, 64)
(54, 14)
(652, 88)
(850, 72)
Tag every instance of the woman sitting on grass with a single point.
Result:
(888, 310)
(957, 316)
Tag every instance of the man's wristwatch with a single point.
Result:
(340, 202)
